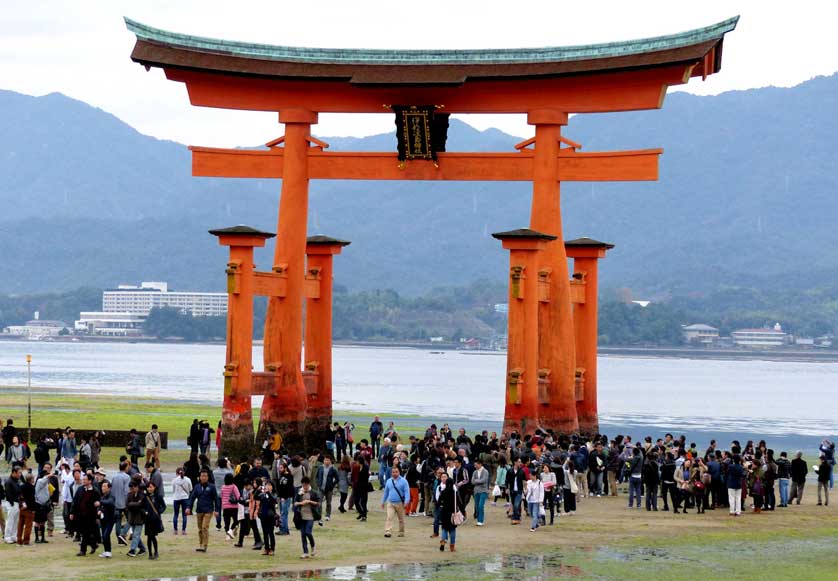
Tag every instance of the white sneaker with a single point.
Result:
(480, 524)
(328, 518)
(105, 555)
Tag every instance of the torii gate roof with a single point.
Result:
(699, 49)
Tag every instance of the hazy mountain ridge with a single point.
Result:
(746, 197)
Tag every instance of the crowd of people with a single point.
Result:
(448, 477)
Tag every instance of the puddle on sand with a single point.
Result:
(524, 567)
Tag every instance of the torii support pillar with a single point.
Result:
(237, 413)
(586, 253)
(320, 251)
(522, 402)
(556, 352)
(284, 409)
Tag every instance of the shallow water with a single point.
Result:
(771, 397)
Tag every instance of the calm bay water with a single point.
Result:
(680, 394)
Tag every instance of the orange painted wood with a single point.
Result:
(318, 333)
(284, 409)
(522, 390)
(585, 333)
(587, 93)
(638, 165)
(577, 291)
(556, 348)
(269, 284)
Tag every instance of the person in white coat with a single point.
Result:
(535, 498)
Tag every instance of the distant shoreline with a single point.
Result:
(794, 355)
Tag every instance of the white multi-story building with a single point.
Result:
(125, 308)
(775, 337)
(110, 324)
(149, 295)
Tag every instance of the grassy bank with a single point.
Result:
(58, 408)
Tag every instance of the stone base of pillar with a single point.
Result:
(588, 424)
(293, 435)
(237, 441)
(521, 426)
(317, 426)
(560, 426)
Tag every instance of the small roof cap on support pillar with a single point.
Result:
(586, 248)
(587, 243)
(326, 240)
(523, 239)
(523, 234)
(241, 235)
(320, 244)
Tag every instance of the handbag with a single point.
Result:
(496, 491)
(458, 517)
(574, 488)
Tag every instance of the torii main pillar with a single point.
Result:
(284, 407)
(556, 345)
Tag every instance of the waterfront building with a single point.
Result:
(760, 338)
(109, 324)
(149, 295)
(701, 334)
(37, 328)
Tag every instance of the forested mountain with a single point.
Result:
(747, 197)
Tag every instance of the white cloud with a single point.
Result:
(82, 48)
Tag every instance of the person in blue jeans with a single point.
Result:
(181, 489)
(135, 505)
(535, 499)
(480, 482)
(516, 482)
(285, 494)
(306, 512)
(783, 475)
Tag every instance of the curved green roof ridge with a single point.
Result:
(432, 57)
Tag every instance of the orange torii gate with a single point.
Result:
(546, 385)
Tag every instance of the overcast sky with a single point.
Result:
(82, 48)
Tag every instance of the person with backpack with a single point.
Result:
(230, 496)
(306, 513)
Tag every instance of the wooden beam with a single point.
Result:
(588, 93)
(639, 165)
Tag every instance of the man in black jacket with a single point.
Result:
(516, 482)
(669, 489)
(799, 469)
(12, 491)
(783, 475)
(84, 514)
